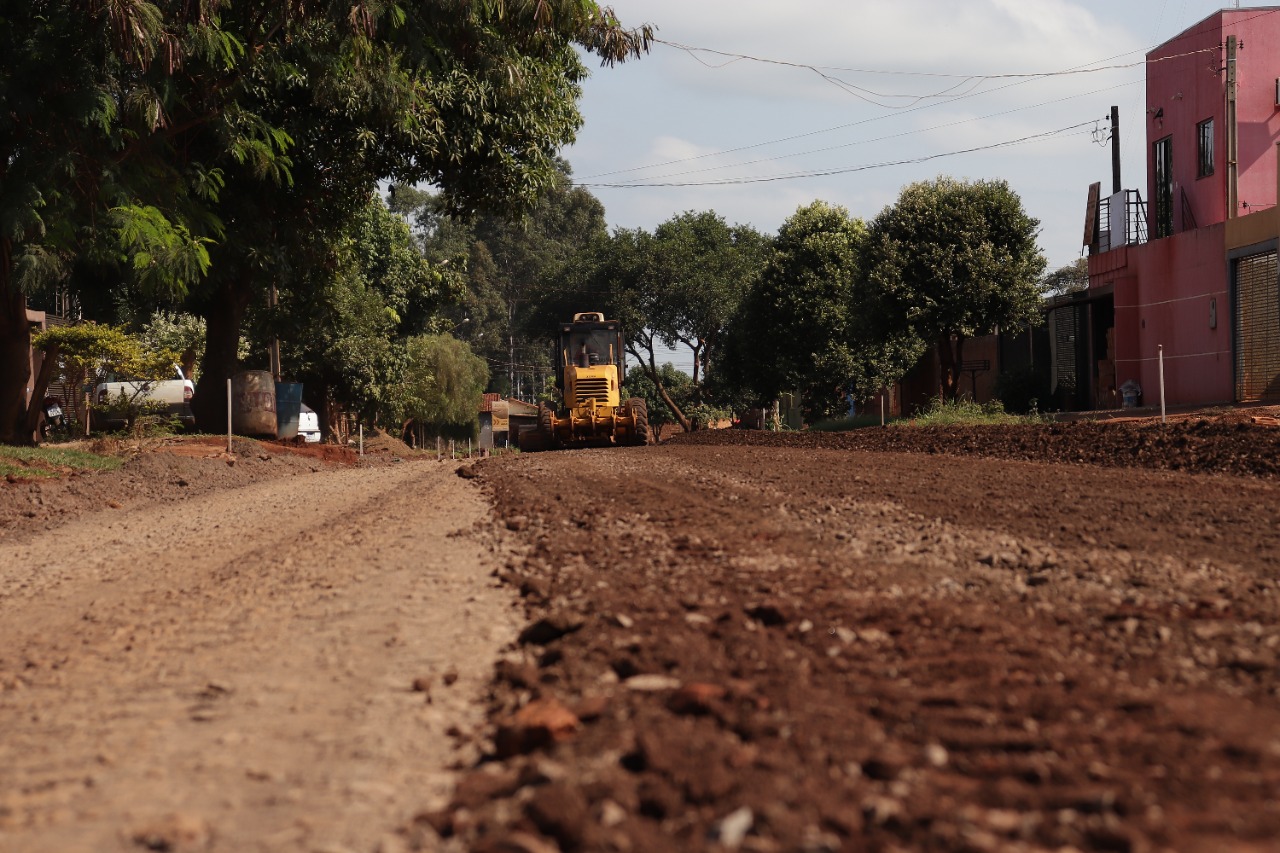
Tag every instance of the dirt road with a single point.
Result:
(773, 645)
(235, 671)
(1057, 639)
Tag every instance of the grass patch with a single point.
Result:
(52, 461)
(969, 413)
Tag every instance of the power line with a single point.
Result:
(844, 170)
(887, 137)
(1018, 80)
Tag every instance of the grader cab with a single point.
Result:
(590, 368)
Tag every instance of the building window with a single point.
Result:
(1204, 133)
(1163, 160)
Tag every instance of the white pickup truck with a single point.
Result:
(174, 394)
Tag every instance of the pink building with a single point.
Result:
(1191, 271)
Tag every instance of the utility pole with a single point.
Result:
(1233, 139)
(1116, 184)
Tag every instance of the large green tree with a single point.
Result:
(508, 261)
(677, 287)
(951, 260)
(802, 328)
(188, 138)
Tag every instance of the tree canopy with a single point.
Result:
(210, 145)
(951, 260)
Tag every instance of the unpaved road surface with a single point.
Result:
(785, 643)
(1046, 638)
(235, 670)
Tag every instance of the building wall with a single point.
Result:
(1164, 295)
(1186, 84)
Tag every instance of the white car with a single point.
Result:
(308, 424)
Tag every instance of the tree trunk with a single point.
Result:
(15, 361)
(651, 369)
(35, 407)
(949, 368)
(223, 316)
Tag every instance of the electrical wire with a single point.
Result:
(822, 173)
(888, 137)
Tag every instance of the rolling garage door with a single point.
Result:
(1257, 328)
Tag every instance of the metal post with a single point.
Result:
(362, 439)
(1233, 133)
(882, 393)
(228, 415)
(438, 451)
(1116, 183)
(1160, 348)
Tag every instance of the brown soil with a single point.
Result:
(818, 642)
(252, 653)
(1017, 638)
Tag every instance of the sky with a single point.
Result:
(753, 108)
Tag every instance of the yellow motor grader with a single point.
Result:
(589, 371)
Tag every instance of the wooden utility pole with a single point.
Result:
(1233, 140)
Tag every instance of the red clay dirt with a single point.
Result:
(1058, 637)
(1053, 637)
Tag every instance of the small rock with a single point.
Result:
(541, 723)
(468, 472)
(450, 677)
(611, 814)
(623, 621)
(696, 698)
(733, 828)
(551, 628)
(591, 707)
(649, 683)
(422, 684)
(936, 755)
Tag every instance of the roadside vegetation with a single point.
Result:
(202, 223)
(48, 462)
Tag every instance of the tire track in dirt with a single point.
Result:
(236, 671)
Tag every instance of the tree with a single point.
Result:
(444, 383)
(796, 329)
(204, 138)
(1071, 278)
(676, 287)
(508, 260)
(698, 270)
(343, 334)
(952, 260)
(676, 384)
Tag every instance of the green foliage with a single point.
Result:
(795, 329)
(964, 412)
(89, 349)
(1071, 278)
(52, 462)
(677, 383)
(444, 382)
(206, 148)
(505, 266)
(178, 332)
(953, 260)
